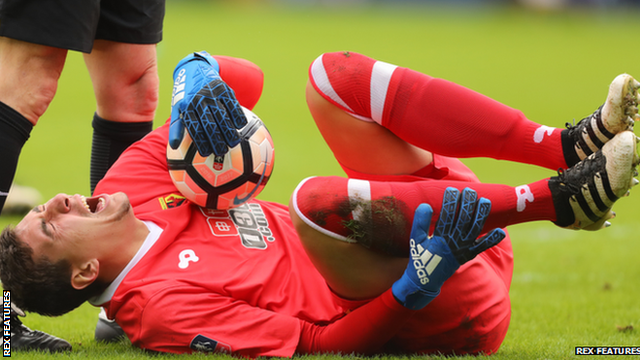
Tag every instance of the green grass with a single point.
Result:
(569, 288)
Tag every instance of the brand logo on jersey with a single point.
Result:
(205, 344)
(222, 226)
(538, 136)
(178, 87)
(186, 257)
(524, 194)
(248, 221)
(423, 261)
(171, 201)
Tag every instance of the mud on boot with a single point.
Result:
(584, 194)
(618, 114)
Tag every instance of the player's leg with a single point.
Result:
(27, 91)
(378, 215)
(126, 96)
(353, 272)
(370, 149)
(451, 120)
(29, 81)
(350, 140)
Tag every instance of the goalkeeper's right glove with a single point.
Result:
(454, 242)
(205, 105)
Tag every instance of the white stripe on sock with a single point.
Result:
(380, 79)
(360, 199)
(321, 79)
(310, 222)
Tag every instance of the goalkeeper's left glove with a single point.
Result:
(205, 105)
(454, 242)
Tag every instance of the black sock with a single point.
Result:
(14, 132)
(110, 139)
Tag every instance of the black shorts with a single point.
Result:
(74, 24)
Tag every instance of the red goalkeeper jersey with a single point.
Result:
(239, 281)
(234, 280)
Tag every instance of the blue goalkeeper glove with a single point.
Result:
(205, 105)
(454, 242)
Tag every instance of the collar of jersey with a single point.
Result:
(154, 233)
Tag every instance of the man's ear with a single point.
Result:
(83, 276)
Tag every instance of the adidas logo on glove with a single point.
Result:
(423, 261)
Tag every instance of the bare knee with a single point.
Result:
(128, 93)
(138, 102)
(30, 76)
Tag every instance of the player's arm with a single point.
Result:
(432, 261)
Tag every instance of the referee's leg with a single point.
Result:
(29, 80)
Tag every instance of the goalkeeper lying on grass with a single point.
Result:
(349, 265)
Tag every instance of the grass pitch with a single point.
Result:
(569, 288)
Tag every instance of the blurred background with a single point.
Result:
(551, 59)
(533, 4)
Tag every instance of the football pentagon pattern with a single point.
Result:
(224, 182)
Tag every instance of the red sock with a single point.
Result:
(379, 214)
(434, 114)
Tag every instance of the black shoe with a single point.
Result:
(21, 200)
(584, 194)
(107, 330)
(618, 114)
(23, 338)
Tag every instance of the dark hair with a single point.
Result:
(39, 285)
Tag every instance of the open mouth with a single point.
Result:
(94, 204)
